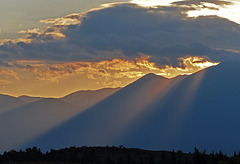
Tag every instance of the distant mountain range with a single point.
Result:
(24, 118)
(8, 102)
(201, 110)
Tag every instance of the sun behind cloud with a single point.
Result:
(117, 72)
(117, 43)
(230, 11)
(153, 3)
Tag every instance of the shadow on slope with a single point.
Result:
(85, 99)
(39, 115)
(29, 99)
(200, 110)
(8, 102)
(27, 122)
(104, 122)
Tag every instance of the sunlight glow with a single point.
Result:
(153, 3)
(230, 12)
(114, 69)
(44, 78)
(190, 65)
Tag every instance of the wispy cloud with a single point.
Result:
(8, 76)
(71, 19)
(112, 70)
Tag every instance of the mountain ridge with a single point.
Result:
(180, 113)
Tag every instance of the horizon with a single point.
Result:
(58, 97)
(153, 74)
(45, 57)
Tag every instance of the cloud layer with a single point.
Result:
(124, 32)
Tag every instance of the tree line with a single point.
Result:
(114, 155)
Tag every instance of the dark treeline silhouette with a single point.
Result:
(115, 155)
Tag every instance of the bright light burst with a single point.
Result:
(191, 64)
(230, 12)
(153, 3)
(115, 68)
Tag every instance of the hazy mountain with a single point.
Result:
(201, 110)
(85, 99)
(29, 99)
(9, 102)
(39, 115)
(24, 123)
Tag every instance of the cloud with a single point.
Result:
(153, 3)
(111, 42)
(8, 76)
(127, 30)
(223, 9)
(48, 32)
(71, 19)
(212, 4)
(9, 73)
(111, 71)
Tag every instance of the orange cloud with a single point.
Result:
(53, 32)
(9, 73)
(14, 41)
(189, 65)
(71, 19)
(113, 71)
(8, 77)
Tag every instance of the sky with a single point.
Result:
(56, 47)
(18, 15)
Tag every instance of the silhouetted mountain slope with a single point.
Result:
(26, 122)
(9, 102)
(29, 99)
(102, 122)
(85, 99)
(200, 110)
(39, 115)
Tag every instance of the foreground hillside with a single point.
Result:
(114, 155)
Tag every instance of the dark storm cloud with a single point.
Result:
(129, 31)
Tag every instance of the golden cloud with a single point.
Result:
(52, 32)
(14, 41)
(7, 72)
(111, 72)
(8, 76)
(71, 19)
